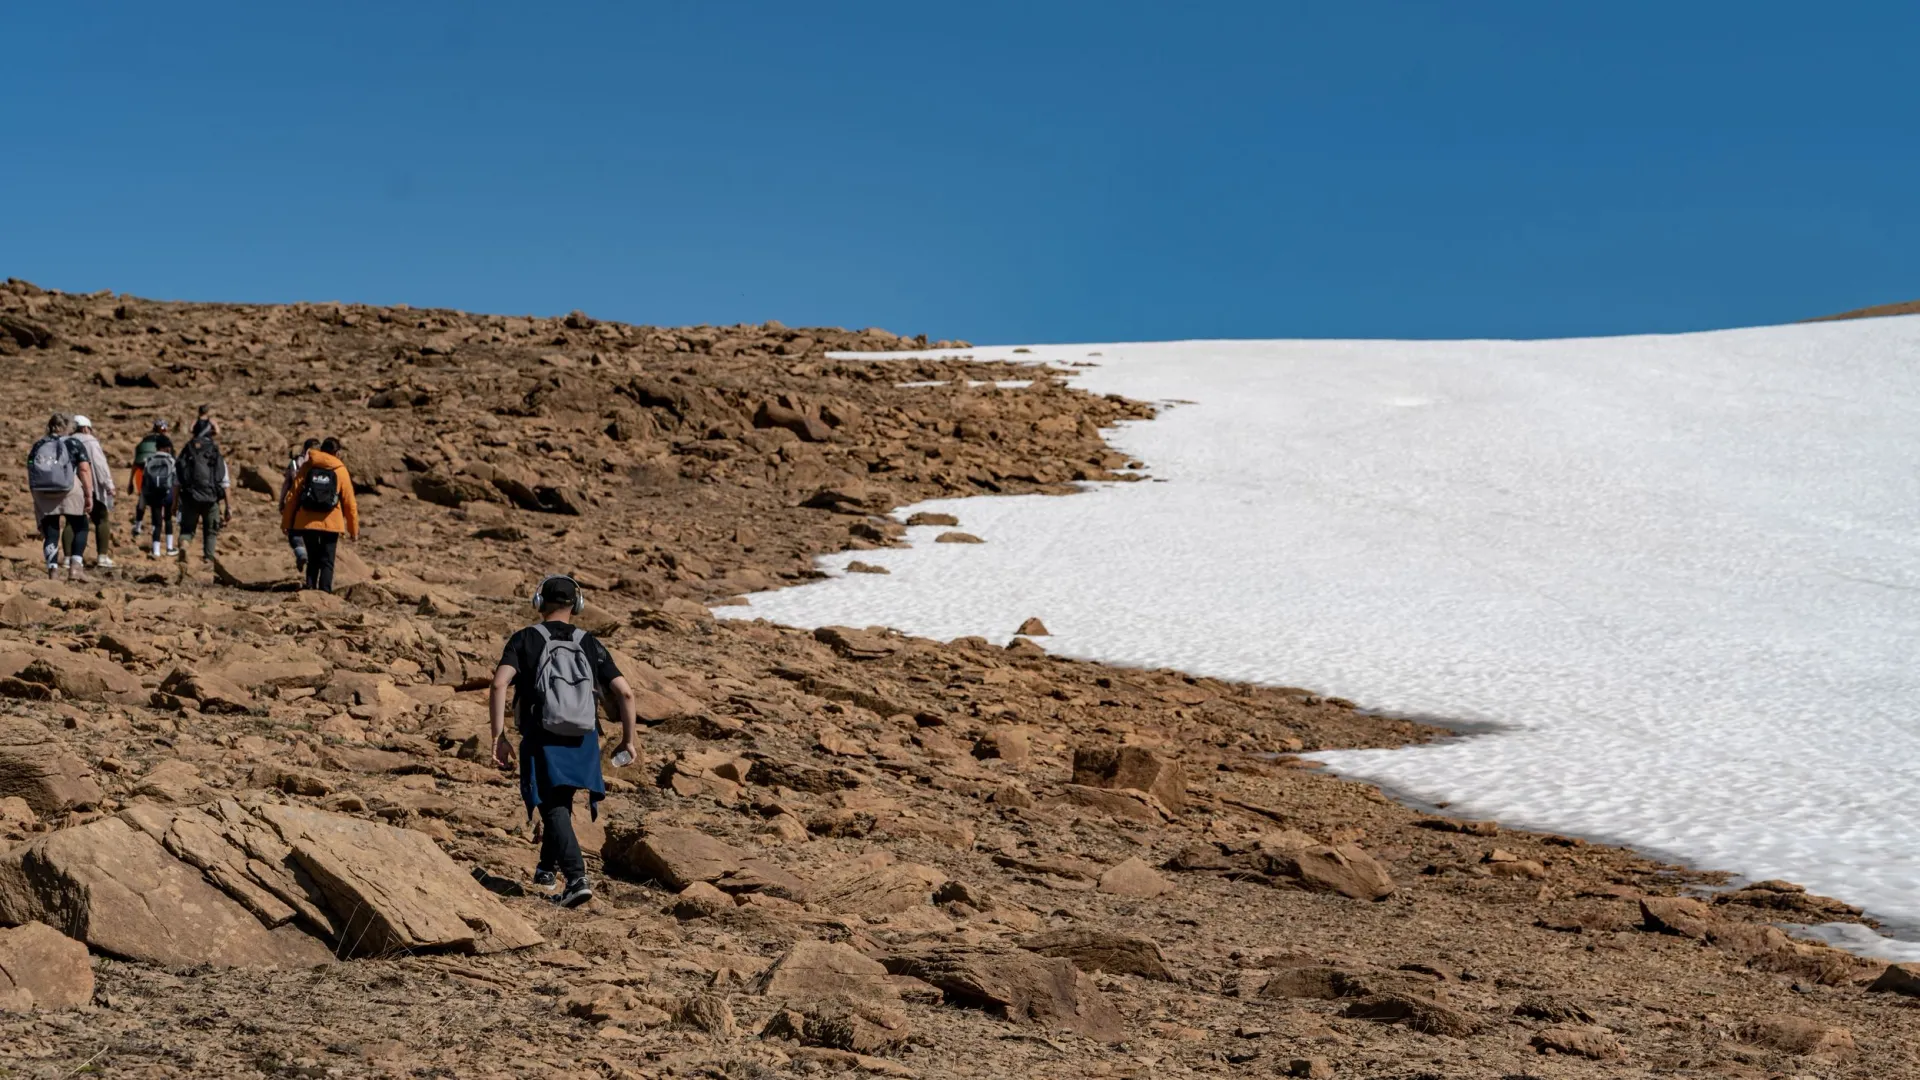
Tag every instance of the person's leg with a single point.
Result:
(297, 540)
(190, 514)
(210, 534)
(77, 559)
(50, 527)
(172, 517)
(559, 847)
(103, 533)
(322, 547)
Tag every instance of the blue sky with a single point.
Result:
(996, 171)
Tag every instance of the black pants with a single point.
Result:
(320, 547)
(50, 527)
(203, 516)
(559, 848)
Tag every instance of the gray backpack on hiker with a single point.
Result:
(52, 465)
(569, 701)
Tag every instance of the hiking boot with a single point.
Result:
(575, 894)
(545, 878)
(76, 569)
(53, 570)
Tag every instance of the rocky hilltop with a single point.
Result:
(250, 831)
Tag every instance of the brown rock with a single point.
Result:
(1004, 742)
(1100, 950)
(819, 971)
(856, 644)
(1311, 1068)
(1133, 878)
(700, 901)
(39, 770)
(858, 567)
(1341, 868)
(1678, 915)
(1313, 981)
(1018, 986)
(1898, 979)
(213, 693)
(1418, 1013)
(1584, 1041)
(957, 538)
(1132, 767)
(393, 890)
(1802, 1037)
(115, 888)
(810, 428)
(41, 968)
(674, 857)
(875, 884)
(924, 518)
(1033, 628)
(79, 676)
(259, 573)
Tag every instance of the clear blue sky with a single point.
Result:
(1002, 172)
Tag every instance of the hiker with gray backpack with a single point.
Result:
(60, 476)
(558, 673)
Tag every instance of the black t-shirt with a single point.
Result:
(522, 654)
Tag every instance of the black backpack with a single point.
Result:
(321, 490)
(200, 471)
(156, 480)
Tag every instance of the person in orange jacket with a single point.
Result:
(319, 506)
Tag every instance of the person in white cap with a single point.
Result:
(103, 490)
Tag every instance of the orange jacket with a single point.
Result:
(343, 518)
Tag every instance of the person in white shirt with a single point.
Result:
(103, 491)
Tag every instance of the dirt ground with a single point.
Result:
(953, 812)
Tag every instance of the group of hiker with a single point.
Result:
(178, 492)
(558, 673)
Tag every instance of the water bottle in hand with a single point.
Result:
(622, 759)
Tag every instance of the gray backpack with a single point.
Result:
(52, 464)
(569, 700)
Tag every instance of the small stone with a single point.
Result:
(1033, 628)
(957, 538)
(1133, 878)
(858, 567)
(1587, 1041)
(1312, 1068)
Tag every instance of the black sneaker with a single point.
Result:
(545, 878)
(575, 894)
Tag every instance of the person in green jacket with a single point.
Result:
(157, 439)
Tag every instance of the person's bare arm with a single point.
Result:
(497, 715)
(85, 480)
(623, 711)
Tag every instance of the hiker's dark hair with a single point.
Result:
(57, 423)
(330, 445)
(310, 444)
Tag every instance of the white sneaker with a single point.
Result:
(103, 563)
(156, 550)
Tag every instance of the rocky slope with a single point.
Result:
(262, 822)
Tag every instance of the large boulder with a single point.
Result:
(1135, 768)
(393, 890)
(41, 968)
(1018, 986)
(115, 888)
(260, 573)
(38, 769)
(79, 676)
(674, 857)
(1336, 868)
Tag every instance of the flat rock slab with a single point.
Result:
(42, 968)
(876, 885)
(1019, 987)
(674, 857)
(36, 768)
(116, 889)
(393, 890)
(1102, 950)
(819, 971)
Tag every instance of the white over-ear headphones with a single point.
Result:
(579, 594)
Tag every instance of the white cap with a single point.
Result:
(81, 421)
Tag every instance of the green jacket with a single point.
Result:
(145, 450)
